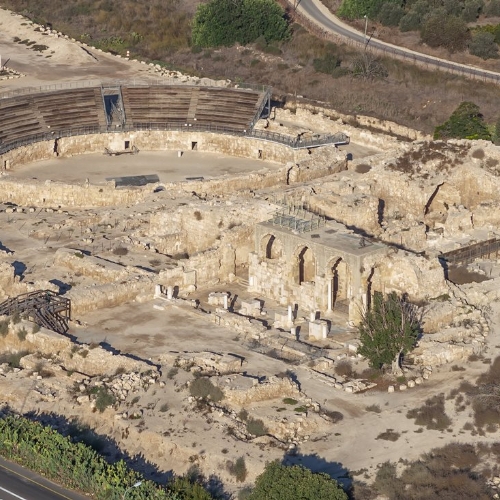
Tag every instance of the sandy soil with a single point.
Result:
(165, 164)
(140, 330)
(62, 61)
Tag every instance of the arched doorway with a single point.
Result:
(271, 247)
(305, 266)
(338, 284)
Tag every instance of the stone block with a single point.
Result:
(411, 383)
(390, 388)
(403, 387)
(318, 329)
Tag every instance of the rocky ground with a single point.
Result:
(143, 353)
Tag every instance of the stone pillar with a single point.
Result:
(226, 301)
(170, 292)
(290, 313)
(330, 293)
(312, 316)
(324, 331)
(157, 291)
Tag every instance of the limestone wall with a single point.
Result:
(245, 147)
(90, 360)
(49, 194)
(90, 298)
(352, 125)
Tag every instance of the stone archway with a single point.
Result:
(271, 247)
(305, 266)
(338, 282)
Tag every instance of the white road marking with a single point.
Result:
(13, 494)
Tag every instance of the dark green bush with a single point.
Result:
(225, 22)
(204, 389)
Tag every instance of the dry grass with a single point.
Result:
(431, 414)
(344, 368)
(410, 95)
(389, 435)
(447, 473)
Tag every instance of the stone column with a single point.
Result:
(330, 293)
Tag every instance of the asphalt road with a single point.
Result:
(17, 483)
(319, 14)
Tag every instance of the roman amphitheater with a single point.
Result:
(156, 226)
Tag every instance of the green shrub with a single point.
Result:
(451, 32)
(483, 45)
(4, 327)
(390, 14)
(410, 22)
(204, 389)
(328, 64)
(104, 399)
(294, 482)
(238, 469)
(21, 334)
(256, 427)
(290, 401)
(466, 122)
(225, 22)
(73, 463)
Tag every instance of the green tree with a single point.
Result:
(449, 32)
(466, 122)
(388, 330)
(225, 22)
(279, 482)
(471, 10)
(492, 9)
(356, 9)
(483, 45)
(410, 21)
(390, 14)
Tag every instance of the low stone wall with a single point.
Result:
(299, 166)
(90, 360)
(86, 299)
(244, 147)
(354, 125)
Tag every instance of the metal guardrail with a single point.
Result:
(126, 83)
(263, 135)
(468, 254)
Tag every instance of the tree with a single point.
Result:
(450, 32)
(492, 9)
(388, 330)
(225, 22)
(483, 45)
(280, 482)
(367, 66)
(390, 14)
(471, 10)
(356, 9)
(466, 122)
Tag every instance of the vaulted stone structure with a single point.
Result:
(314, 264)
